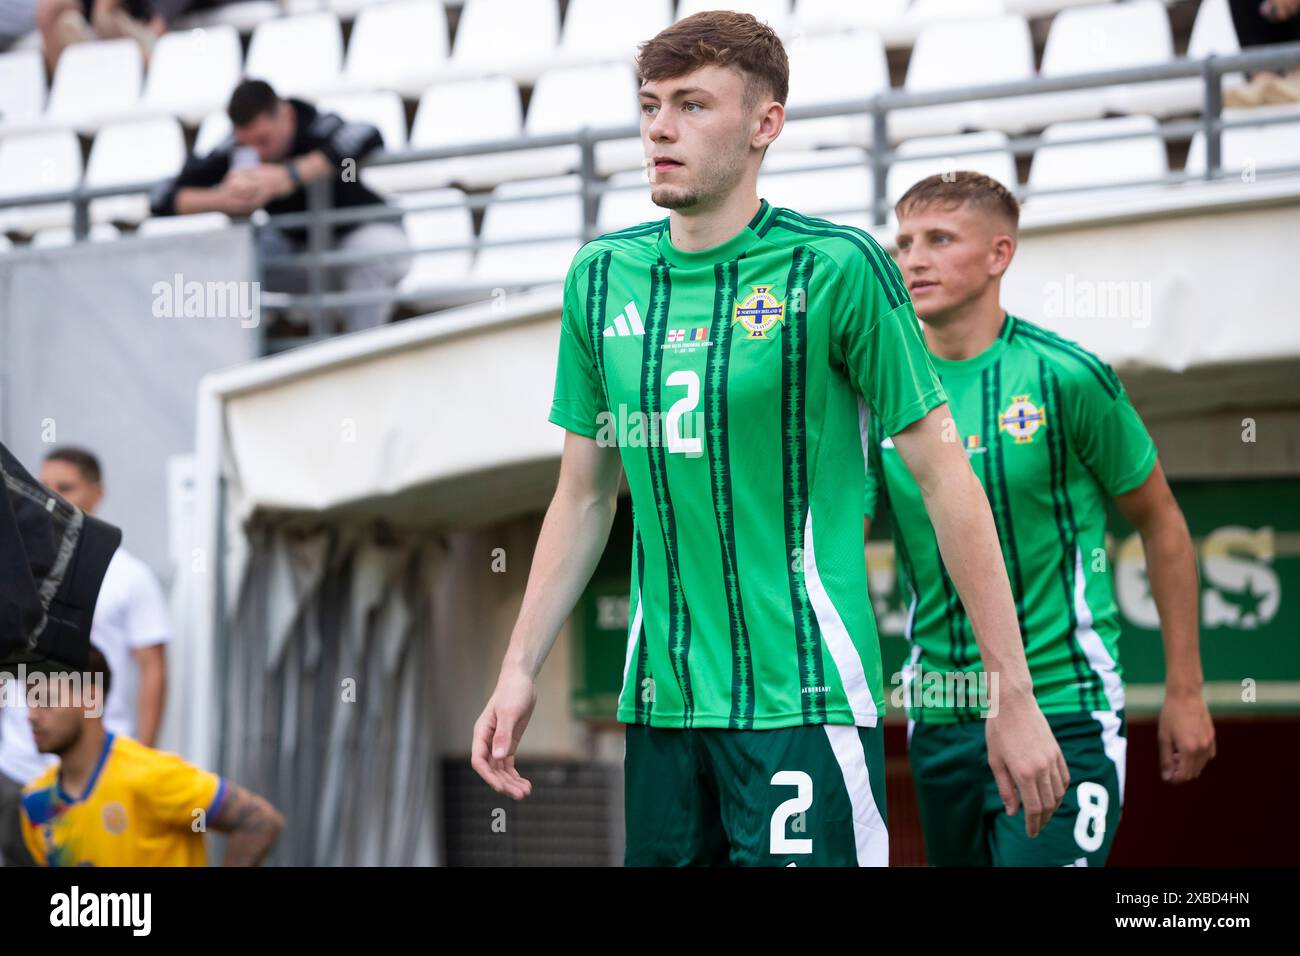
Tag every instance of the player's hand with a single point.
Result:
(498, 730)
(1186, 737)
(1026, 762)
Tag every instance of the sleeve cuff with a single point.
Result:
(572, 423)
(914, 411)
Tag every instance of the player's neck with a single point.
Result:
(967, 333)
(77, 765)
(694, 232)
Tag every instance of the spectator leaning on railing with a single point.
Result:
(1261, 23)
(278, 146)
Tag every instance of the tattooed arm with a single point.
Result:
(251, 824)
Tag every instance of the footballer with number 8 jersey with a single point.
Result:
(725, 359)
(1051, 434)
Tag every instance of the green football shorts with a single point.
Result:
(962, 818)
(795, 796)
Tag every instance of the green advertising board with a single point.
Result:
(1247, 540)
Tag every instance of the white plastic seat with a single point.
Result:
(22, 89)
(608, 97)
(56, 237)
(628, 202)
(193, 72)
(1213, 33)
(1113, 164)
(925, 12)
(841, 195)
(299, 56)
(183, 225)
(886, 18)
(1109, 37)
(39, 161)
(438, 227)
(993, 159)
(214, 130)
(546, 259)
(383, 110)
(1044, 8)
(515, 37)
(818, 77)
(244, 16)
(1249, 150)
(137, 151)
(965, 53)
(6, 243)
(458, 114)
(775, 13)
(399, 46)
(95, 83)
(597, 30)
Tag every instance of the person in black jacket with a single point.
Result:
(278, 146)
(52, 560)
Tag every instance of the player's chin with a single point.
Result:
(672, 197)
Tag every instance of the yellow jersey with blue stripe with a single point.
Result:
(141, 807)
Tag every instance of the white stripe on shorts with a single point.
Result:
(869, 832)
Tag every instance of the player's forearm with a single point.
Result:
(191, 200)
(572, 539)
(968, 543)
(1171, 571)
(252, 827)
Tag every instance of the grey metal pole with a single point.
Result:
(1213, 111)
(589, 198)
(879, 168)
(318, 240)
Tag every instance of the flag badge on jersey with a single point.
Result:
(759, 312)
(973, 446)
(699, 333)
(1022, 419)
(676, 335)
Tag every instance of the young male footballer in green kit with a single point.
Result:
(724, 358)
(1051, 435)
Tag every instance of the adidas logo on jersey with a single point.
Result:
(627, 322)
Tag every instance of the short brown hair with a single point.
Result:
(963, 188)
(85, 462)
(719, 38)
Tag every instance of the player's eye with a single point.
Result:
(648, 109)
(692, 107)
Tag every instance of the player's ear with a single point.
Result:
(770, 123)
(1004, 249)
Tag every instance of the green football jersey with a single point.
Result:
(735, 383)
(1050, 433)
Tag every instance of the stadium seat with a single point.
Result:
(597, 30)
(22, 89)
(96, 83)
(775, 13)
(6, 244)
(1108, 37)
(516, 37)
(1114, 164)
(383, 110)
(545, 260)
(818, 77)
(608, 97)
(628, 203)
(458, 114)
(136, 151)
(244, 16)
(56, 237)
(1213, 33)
(438, 227)
(842, 195)
(964, 53)
(399, 46)
(923, 13)
(886, 18)
(212, 132)
(39, 161)
(993, 159)
(299, 56)
(1045, 8)
(183, 225)
(193, 72)
(1248, 150)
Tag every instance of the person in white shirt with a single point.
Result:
(130, 627)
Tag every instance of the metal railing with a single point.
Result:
(319, 221)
